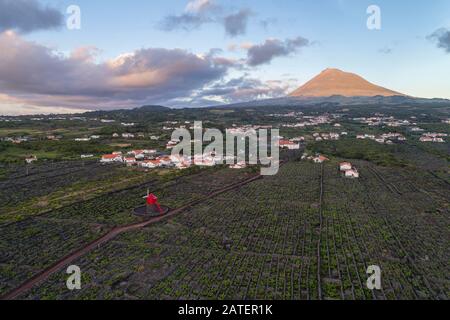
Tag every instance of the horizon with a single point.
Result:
(202, 53)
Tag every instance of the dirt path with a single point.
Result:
(46, 273)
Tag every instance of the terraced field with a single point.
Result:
(307, 233)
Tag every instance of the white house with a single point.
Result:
(289, 145)
(172, 143)
(110, 158)
(182, 165)
(320, 159)
(239, 165)
(165, 161)
(31, 159)
(298, 139)
(150, 164)
(344, 166)
(353, 173)
(130, 161)
(177, 159)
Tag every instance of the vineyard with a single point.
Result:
(306, 233)
(45, 179)
(35, 243)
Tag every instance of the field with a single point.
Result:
(306, 233)
(36, 242)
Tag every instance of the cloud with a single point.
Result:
(186, 21)
(10, 106)
(236, 24)
(272, 48)
(25, 16)
(442, 38)
(200, 12)
(242, 89)
(194, 16)
(266, 23)
(38, 75)
(197, 6)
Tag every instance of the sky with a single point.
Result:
(181, 53)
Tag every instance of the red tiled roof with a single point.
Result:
(110, 156)
(285, 142)
(323, 158)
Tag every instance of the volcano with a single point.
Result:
(335, 82)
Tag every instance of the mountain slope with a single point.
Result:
(334, 82)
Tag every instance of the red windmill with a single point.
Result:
(152, 204)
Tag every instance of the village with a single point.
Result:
(298, 128)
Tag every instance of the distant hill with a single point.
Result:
(140, 110)
(336, 100)
(334, 82)
(152, 108)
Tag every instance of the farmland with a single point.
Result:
(35, 242)
(306, 233)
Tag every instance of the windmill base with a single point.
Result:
(144, 211)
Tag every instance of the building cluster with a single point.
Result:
(328, 136)
(289, 144)
(171, 125)
(308, 121)
(53, 137)
(348, 170)
(380, 120)
(318, 158)
(172, 144)
(16, 140)
(286, 115)
(433, 137)
(9, 120)
(149, 159)
(77, 119)
(128, 135)
(385, 138)
(125, 135)
(130, 158)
